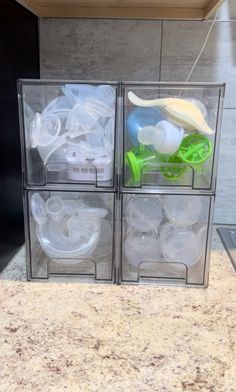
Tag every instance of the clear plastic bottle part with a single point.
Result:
(144, 213)
(141, 247)
(182, 209)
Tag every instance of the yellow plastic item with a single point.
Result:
(180, 111)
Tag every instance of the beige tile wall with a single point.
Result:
(153, 50)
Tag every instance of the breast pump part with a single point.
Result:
(141, 247)
(86, 113)
(38, 208)
(109, 133)
(59, 106)
(195, 149)
(139, 118)
(104, 247)
(90, 148)
(28, 118)
(142, 161)
(182, 209)
(165, 137)
(106, 94)
(54, 237)
(144, 213)
(55, 208)
(81, 168)
(71, 207)
(96, 144)
(85, 229)
(202, 236)
(98, 108)
(91, 159)
(179, 111)
(56, 150)
(91, 212)
(78, 92)
(174, 168)
(35, 129)
(81, 119)
(199, 105)
(45, 130)
(180, 245)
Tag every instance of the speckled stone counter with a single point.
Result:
(73, 337)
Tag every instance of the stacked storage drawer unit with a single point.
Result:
(118, 188)
(168, 171)
(69, 177)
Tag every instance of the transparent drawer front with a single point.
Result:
(171, 135)
(70, 233)
(68, 132)
(165, 238)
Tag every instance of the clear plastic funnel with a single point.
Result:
(68, 238)
(182, 209)
(55, 150)
(59, 106)
(78, 92)
(180, 244)
(105, 94)
(55, 208)
(98, 108)
(141, 247)
(81, 119)
(144, 213)
(83, 229)
(44, 130)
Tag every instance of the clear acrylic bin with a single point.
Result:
(172, 141)
(68, 132)
(70, 234)
(165, 238)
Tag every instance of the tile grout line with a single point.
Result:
(160, 57)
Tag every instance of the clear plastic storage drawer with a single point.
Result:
(70, 233)
(165, 238)
(68, 132)
(171, 135)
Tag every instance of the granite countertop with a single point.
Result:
(74, 337)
